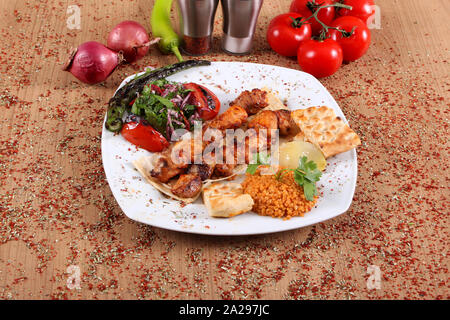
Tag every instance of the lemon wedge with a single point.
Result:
(291, 152)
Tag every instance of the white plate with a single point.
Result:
(142, 203)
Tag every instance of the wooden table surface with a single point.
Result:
(57, 210)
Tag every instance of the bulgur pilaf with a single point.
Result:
(277, 198)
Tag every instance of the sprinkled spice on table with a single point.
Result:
(57, 211)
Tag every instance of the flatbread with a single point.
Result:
(225, 200)
(321, 126)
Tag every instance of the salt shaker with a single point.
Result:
(240, 17)
(197, 23)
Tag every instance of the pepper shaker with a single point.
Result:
(197, 24)
(240, 17)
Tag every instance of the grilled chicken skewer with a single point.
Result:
(190, 178)
(189, 184)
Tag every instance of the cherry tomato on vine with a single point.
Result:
(144, 136)
(355, 40)
(286, 32)
(307, 7)
(362, 9)
(321, 58)
(207, 103)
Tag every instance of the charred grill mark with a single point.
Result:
(209, 99)
(165, 170)
(187, 186)
(204, 171)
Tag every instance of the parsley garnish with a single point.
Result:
(306, 176)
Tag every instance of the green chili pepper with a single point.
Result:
(162, 28)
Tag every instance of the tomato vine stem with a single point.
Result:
(323, 33)
(297, 22)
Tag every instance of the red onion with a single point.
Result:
(92, 62)
(130, 38)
